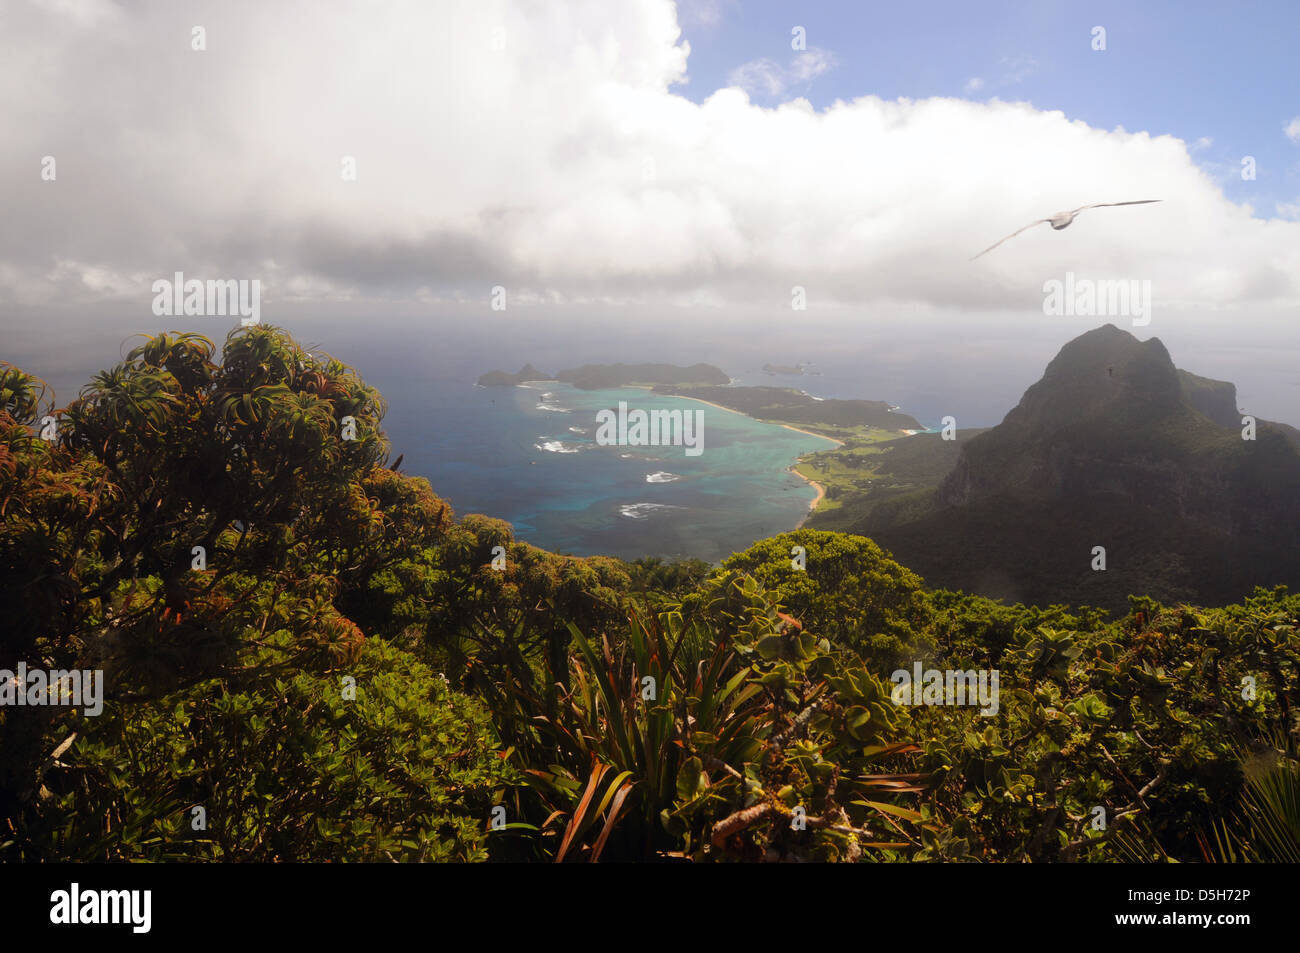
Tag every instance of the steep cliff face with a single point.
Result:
(1113, 447)
(1215, 399)
(1104, 406)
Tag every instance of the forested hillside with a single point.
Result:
(308, 656)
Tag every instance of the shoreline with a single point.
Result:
(821, 490)
(821, 494)
(700, 400)
(838, 443)
(732, 410)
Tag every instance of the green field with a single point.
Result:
(873, 466)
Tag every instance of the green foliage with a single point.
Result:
(1144, 718)
(1266, 827)
(849, 591)
(616, 711)
(677, 741)
(653, 576)
(285, 768)
(164, 453)
(219, 684)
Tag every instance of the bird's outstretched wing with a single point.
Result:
(1012, 235)
(1109, 204)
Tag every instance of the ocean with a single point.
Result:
(529, 455)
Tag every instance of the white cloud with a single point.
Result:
(810, 64)
(769, 78)
(527, 167)
(1204, 142)
(759, 76)
(1292, 130)
(974, 84)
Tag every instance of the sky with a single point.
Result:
(1222, 80)
(640, 154)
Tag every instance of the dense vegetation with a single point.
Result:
(876, 468)
(345, 671)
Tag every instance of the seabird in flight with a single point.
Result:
(1061, 219)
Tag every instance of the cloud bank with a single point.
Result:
(547, 148)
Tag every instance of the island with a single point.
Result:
(602, 376)
(502, 379)
(796, 370)
(827, 417)
(878, 455)
(875, 458)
